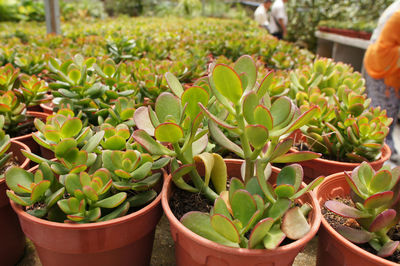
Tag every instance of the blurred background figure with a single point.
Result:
(261, 15)
(278, 19)
(382, 68)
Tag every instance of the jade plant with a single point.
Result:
(33, 91)
(347, 128)
(262, 124)
(88, 85)
(14, 112)
(121, 112)
(5, 143)
(8, 76)
(94, 177)
(376, 207)
(256, 215)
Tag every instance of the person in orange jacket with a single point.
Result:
(382, 75)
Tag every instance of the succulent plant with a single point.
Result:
(14, 112)
(8, 76)
(121, 112)
(87, 86)
(5, 143)
(256, 215)
(377, 207)
(262, 124)
(346, 128)
(32, 90)
(94, 178)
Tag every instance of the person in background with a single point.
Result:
(382, 68)
(278, 19)
(261, 14)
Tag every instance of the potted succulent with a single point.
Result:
(366, 210)
(97, 191)
(87, 85)
(20, 91)
(262, 125)
(347, 131)
(13, 240)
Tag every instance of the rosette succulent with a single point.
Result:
(377, 207)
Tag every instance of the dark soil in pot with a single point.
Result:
(183, 202)
(335, 221)
(11, 162)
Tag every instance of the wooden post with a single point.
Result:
(52, 8)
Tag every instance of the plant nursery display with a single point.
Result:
(347, 129)
(97, 176)
(12, 242)
(262, 124)
(214, 121)
(368, 202)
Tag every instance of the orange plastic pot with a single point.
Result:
(192, 249)
(12, 241)
(27, 139)
(317, 167)
(333, 248)
(127, 240)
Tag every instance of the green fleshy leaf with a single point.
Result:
(200, 223)
(257, 135)
(17, 177)
(167, 105)
(111, 202)
(225, 227)
(260, 231)
(243, 206)
(245, 64)
(227, 82)
(168, 132)
(193, 96)
(174, 84)
(150, 144)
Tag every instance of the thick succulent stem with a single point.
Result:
(245, 146)
(194, 175)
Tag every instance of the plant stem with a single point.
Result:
(194, 175)
(245, 146)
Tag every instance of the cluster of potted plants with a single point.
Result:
(361, 29)
(135, 119)
(109, 175)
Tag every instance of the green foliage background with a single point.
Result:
(304, 15)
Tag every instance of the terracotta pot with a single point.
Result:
(27, 139)
(47, 107)
(317, 167)
(127, 240)
(12, 241)
(334, 249)
(191, 249)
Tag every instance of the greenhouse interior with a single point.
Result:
(199, 132)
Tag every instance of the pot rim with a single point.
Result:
(243, 251)
(89, 226)
(25, 162)
(339, 237)
(386, 152)
(34, 114)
